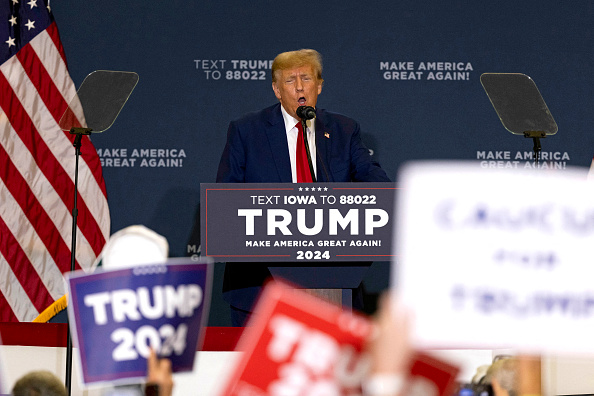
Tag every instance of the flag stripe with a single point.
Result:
(50, 58)
(52, 31)
(57, 71)
(52, 204)
(48, 92)
(91, 193)
(22, 270)
(6, 284)
(94, 193)
(6, 314)
(37, 254)
(41, 222)
(42, 48)
(28, 132)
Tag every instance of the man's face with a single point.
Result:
(297, 87)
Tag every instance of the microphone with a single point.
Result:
(306, 112)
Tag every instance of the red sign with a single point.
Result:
(299, 345)
(430, 376)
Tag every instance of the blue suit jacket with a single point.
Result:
(257, 152)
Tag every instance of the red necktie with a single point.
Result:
(303, 172)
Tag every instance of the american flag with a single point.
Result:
(37, 165)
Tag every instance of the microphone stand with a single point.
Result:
(79, 132)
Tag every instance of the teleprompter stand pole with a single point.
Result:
(100, 99)
(79, 132)
(536, 135)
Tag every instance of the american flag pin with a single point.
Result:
(327, 135)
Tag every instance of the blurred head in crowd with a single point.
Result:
(39, 383)
(132, 246)
(503, 377)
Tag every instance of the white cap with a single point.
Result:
(132, 246)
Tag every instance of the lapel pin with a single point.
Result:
(327, 135)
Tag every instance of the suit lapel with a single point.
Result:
(277, 138)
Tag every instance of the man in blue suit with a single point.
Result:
(262, 148)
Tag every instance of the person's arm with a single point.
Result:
(159, 379)
(390, 351)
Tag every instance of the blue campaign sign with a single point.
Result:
(118, 316)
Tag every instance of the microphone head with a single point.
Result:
(306, 112)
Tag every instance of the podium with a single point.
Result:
(332, 283)
(318, 236)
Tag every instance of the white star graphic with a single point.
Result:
(10, 42)
(325, 188)
(32, 3)
(306, 188)
(300, 188)
(12, 21)
(319, 188)
(30, 24)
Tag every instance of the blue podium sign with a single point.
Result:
(297, 222)
(116, 317)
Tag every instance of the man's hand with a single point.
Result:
(159, 373)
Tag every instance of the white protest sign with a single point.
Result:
(496, 259)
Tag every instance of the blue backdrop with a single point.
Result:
(203, 63)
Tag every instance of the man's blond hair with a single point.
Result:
(293, 59)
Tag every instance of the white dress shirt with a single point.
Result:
(292, 133)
